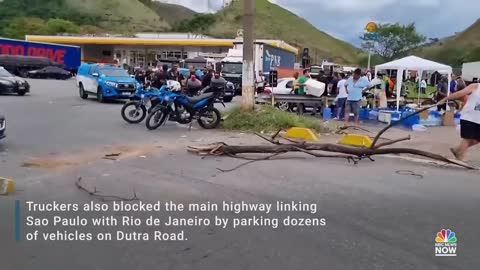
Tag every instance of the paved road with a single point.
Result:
(376, 218)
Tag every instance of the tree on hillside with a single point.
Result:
(19, 27)
(199, 24)
(57, 26)
(394, 40)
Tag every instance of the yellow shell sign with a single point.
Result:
(371, 27)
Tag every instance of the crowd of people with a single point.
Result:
(192, 83)
(346, 87)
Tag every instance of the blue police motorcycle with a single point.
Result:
(135, 110)
(178, 107)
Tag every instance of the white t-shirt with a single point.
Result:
(471, 110)
(423, 84)
(342, 91)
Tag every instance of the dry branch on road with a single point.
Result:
(326, 150)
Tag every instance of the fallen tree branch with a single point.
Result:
(268, 139)
(276, 134)
(353, 151)
(104, 198)
(249, 162)
(340, 129)
(392, 142)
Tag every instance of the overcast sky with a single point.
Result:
(345, 19)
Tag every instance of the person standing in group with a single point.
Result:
(355, 86)
(174, 74)
(165, 69)
(442, 92)
(192, 71)
(217, 81)
(159, 78)
(334, 84)
(301, 82)
(194, 85)
(368, 74)
(469, 121)
(460, 86)
(423, 86)
(295, 83)
(342, 96)
(453, 84)
(207, 79)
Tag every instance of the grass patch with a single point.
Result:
(269, 119)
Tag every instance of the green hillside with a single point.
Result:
(21, 17)
(455, 50)
(49, 17)
(173, 14)
(274, 22)
(121, 14)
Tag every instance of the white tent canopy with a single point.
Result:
(413, 63)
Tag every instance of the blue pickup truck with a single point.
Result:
(105, 82)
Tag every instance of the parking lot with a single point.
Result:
(54, 118)
(379, 220)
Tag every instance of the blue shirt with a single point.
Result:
(355, 89)
(453, 85)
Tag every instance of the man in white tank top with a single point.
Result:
(470, 120)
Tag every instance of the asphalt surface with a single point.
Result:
(376, 218)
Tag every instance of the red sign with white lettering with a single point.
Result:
(55, 55)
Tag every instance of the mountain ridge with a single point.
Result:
(457, 49)
(274, 22)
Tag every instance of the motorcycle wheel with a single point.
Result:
(213, 121)
(156, 119)
(133, 112)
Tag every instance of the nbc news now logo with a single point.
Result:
(446, 243)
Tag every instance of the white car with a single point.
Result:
(284, 86)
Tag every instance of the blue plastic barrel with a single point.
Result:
(373, 115)
(364, 114)
(412, 120)
(327, 114)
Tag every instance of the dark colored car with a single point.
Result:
(3, 126)
(9, 83)
(51, 72)
(20, 65)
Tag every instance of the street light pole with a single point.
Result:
(369, 58)
(248, 73)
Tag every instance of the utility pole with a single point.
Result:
(248, 73)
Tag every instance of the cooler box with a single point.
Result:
(314, 88)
